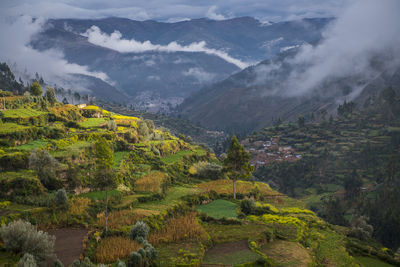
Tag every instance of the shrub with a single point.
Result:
(135, 259)
(61, 198)
(85, 263)
(22, 237)
(361, 229)
(248, 206)
(58, 263)
(13, 161)
(14, 184)
(121, 263)
(140, 229)
(207, 170)
(27, 261)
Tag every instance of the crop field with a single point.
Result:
(37, 144)
(22, 113)
(92, 122)
(219, 208)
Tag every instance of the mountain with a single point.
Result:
(262, 94)
(158, 79)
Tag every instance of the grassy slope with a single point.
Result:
(219, 208)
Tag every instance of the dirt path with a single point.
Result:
(68, 245)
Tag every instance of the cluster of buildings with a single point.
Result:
(266, 152)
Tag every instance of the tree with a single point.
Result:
(50, 95)
(352, 185)
(237, 163)
(46, 167)
(36, 89)
(301, 121)
(105, 177)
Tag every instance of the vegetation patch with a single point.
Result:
(287, 253)
(113, 248)
(153, 182)
(219, 208)
(230, 254)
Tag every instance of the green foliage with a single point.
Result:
(36, 89)
(22, 237)
(27, 261)
(20, 184)
(219, 209)
(361, 229)
(58, 263)
(139, 230)
(46, 166)
(135, 259)
(50, 95)
(207, 170)
(61, 198)
(237, 163)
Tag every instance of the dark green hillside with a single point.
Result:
(348, 166)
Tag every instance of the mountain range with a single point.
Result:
(155, 65)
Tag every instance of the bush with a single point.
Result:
(61, 198)
(22, 237)
(46, 167)
(207, 170)
(135, 259)
(140, 229)
(58, 263)
(27, 261)
(121, 264)
(248, 206)
(15, 184)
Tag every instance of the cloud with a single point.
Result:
(164, 10)
(212, 14)
(116, 42)
(367, 31)
(201, 75)
(15, 50)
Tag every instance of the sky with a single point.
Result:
(174, 10)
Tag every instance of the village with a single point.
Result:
(266, 152)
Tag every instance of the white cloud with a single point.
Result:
(212, 14)
(15, 49)
(367, 30)
(201, 75)
(116, 42)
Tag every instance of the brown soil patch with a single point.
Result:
(68, 245)
(287, 253)
(229, 247)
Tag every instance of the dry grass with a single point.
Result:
(112, 248)
(243, 187)
(119, 218)
(179, 229)
(79, 205)
(152, 182)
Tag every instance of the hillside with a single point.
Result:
(260, 95)
(341, 167)
(175, 188)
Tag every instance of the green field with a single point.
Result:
(92, 122)
(100, 195)
(172, 198)
(32, 145)
(371, 262)
(219, 208)
(22, 113)
(176, 157)
(10, 127)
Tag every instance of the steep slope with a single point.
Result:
(262, 94)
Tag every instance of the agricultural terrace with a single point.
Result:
(154, 180)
